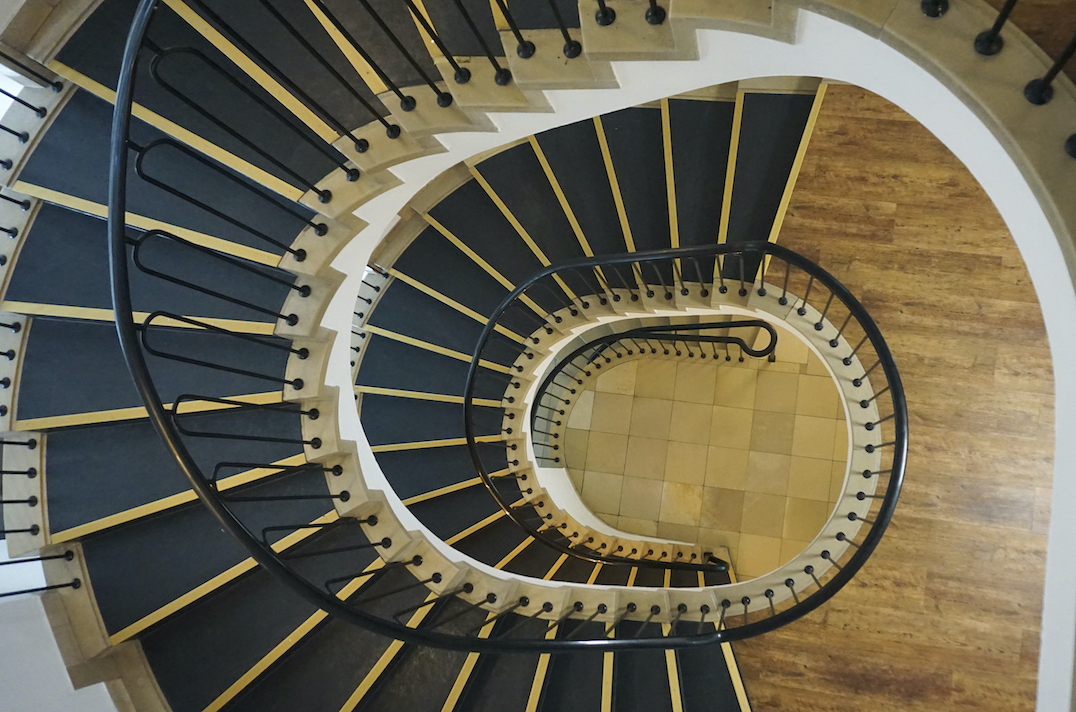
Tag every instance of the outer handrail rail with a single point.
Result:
(274, 563)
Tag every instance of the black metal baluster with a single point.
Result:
(524, 48)
(990, 42)
(462, 75)
(23, 136)
(57, 86)
(139, 243)
(655, 14)
(142, 151)
(361, 145)
(934, 8)
(39, 110)
(326, 150)
(444, 99)
(296, 383)
(24, 204)
(605, 15)
(315, 443)
(1039, 91)
(75, 583)
(572, 48)
(501, 75)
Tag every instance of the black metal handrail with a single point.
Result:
(744, 263)
(272, 544)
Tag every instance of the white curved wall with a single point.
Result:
(828, 49)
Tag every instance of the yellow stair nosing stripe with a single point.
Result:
(181, 134)
(136, 412)
(290, 642)
(261, 328)
(518, 226)
(614, 184)
(170, 502)
(420, 395)
(214, 583)
(418, 343)
(143, 223)
(383, 662)
(448, 301)
(561, 197)
(477, 259)
(456, 538)
(359, 64)
(797, 163)
(670, 182)
(730, 169)
(442, 491)
(556, 567)
(424, 444)
(252, 70)
(673, 672)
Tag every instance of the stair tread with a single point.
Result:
(96, 48)
(640, 677)
(636, 148)
(85, 485)
(416, 472)
(201, 651)
(60, 380)
(138, 568)
(73, 158)
(388, 419)
(66, 264)
(387, 363)
(701, 132)
(453, 30)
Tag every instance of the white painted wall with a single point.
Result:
(824, 48)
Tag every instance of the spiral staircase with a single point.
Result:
(221, 535)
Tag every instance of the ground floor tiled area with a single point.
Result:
(745, 455)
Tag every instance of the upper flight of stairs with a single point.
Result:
(164, 593)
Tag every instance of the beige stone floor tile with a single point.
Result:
(686, 463)
(804, 518)
(775, 392)
(606, 452)
(817, 395)
(695, 381)
(790, 549)
(575, 448)
(757, 555)
(577, 477)
(612, 413)
(772, 432)
(731, 427)
(619, 379)
(690, 422)
(610, 519)
(640, 499)
(735, 387)
(840, 440)
(640, 527)
(813, 437)
(721, 509)
(790, 349)
(836, 482)
(646, 458)
(767, 472)
(727, 467)
(763, 514)
(678, 532)
(809, 478)
(765, 366)
(601, 491)
(656, 378)
(681, 503)
(581, 412)
(815, 367)
(715, 538)
(651, 418)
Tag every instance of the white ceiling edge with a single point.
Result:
(826, 48)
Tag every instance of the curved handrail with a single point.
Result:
(757, 252)
(259, 549)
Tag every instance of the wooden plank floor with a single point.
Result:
(945, 616)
